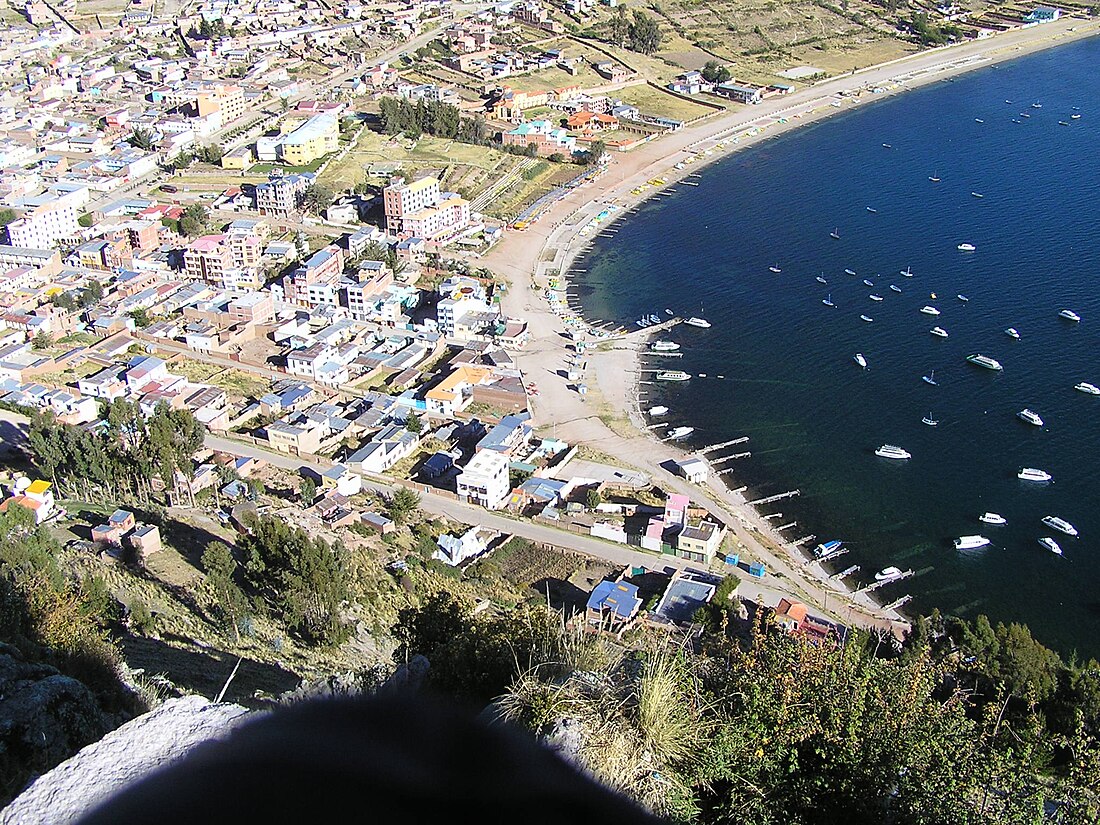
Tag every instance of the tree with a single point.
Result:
(595, 153)
(221, 567)
(91, 294)
(41, 340)
(414, 423)
(317, 198)
(6, 216)
(211, 153)
(532, 150)
(141, 317)
(593, 499)
(644, 35)
(403, 503)
(142, 138)
(715, 72)
(307, 491)
(193, 222)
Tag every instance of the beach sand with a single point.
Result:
(608, 418)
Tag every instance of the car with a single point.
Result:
(222, 516)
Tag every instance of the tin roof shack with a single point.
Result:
(686, 593)
(145, 540)
(612, 606)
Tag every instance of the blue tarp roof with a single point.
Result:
(619, 597)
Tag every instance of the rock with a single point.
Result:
(123, 756)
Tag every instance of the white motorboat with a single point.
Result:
(894, 288)
(966, 247)
(978, 120)
(874, 297)
(1070, 315)
(1032, 474)
(672, 375)
(873, 210)
(1030, 417)
(928, 309)
(774, 269)
(890, 451)
(849, 272)
(1051, 545)
(859, 359)
(984, 361)
(887, 573)
(1011, 332)
(665, 346)
(680, 432)
(697, 322)
(971, 542)
(1075, 117)
(976, 195)
(939, 332)
(993, 518)
(1086, 387)
(669, 312)
(1061, 525)
(868, 282)
(658, 410)
(866, 318)
(963, 298)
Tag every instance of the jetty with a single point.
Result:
(740, 440)
(787, 526)
(804, 540)
(894, 605)
(876, 585)
(845, 573)
(836, 554)
(728, 457)
(777, 497)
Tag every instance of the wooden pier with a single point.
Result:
(876, 585)
(740, 440)
(845, 573)
(778, 497)
(729, 457)
(804, 540)
(836, 554)
(894, 605)
(787, 526)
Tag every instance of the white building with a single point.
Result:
(485, 479)
(454, 550)
(47, 220)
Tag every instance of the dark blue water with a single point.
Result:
(790, 382)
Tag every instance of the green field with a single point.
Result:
(651, 101)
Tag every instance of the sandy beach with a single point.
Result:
(608, 418)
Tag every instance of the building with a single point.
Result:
(685, 594)
(419, 209)
(207, 259)
(281, 196)
(1043, 14)
(313, 139)
(739, 94)
(145, 540)
(694, 469)
(46, 220)
(36, 496)
(45, 261)
(314, 283)
(547, 138)
(227, 99)
(699, 542)
(485, 480)
(612, 605)
(454, 393)
(454, 550)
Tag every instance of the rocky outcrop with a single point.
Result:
(44, 718)
(153, 740)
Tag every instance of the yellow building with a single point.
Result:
(239, 159)
(315, 138)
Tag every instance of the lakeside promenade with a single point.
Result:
(608, 418)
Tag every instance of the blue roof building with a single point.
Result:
(612, 604)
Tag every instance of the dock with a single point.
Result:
(894, 605)
(714, 461)
(787, 526)
(845, 573)
(836, 554)
(740, 440)
(803, 540)
(777, 497)
(876, 585)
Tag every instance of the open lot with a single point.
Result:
(651, 101)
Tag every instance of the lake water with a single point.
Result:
(789, 380)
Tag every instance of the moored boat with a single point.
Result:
(1051, 545)
(1069, 315)
(1086, 387)
(1030, 417)
(971, 542)
(894, 288)
(1060, 524)
(665, 346)
(993, 518)
(849, 272)
(827, 547)
(930, 378)
(859, 359)
(874, 297)
(966, 247)
(828, 300)
(891, 451)
(984, 361)
(1011, 332)
(1032, 474)
(963, 298)
(680, 432)
(866, 318)
(887, 573)
(774, 269)
(928, 309)
(907, 272)
(939, 332)
(672, 375)
(658, 410)
(820, 280)
(929, 420)
(697, 322)
(868, 282)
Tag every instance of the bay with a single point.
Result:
(789, 380)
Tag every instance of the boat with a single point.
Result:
(1051, 545)
(849, 272)
(890, 451)
(934, 177)
(1030, 417)
(1032, 474)
(993, 518)
(1016, 121)
(887, 573)
(1075, 117)
(1012, 333)
(828, 300)
(907, 272)
(874, 297)
(930, 378)
(868, 282)
(939, 332)
(895, 288)
(658, 410)
(654, 319)
(859, 359)
(665, 346)
(835, 234)
(963, 298)
(680, 432)
(641, 322)
(1036, 105)
(672, 375)
(668, 312)
(872, 209)
(697, 322)
(1086, 387)
(971, 542)
(978, 120)
(930, 421)
(827, 547)
(1024, 114)
(1070, 315)
(887, 146)
(929, 310)
(820, 280)
(976, 195)
(984, 361)
(774, 269)
(1060, 524)
(866, 318)
(966, 247)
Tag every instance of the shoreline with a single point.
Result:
(615, 362)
